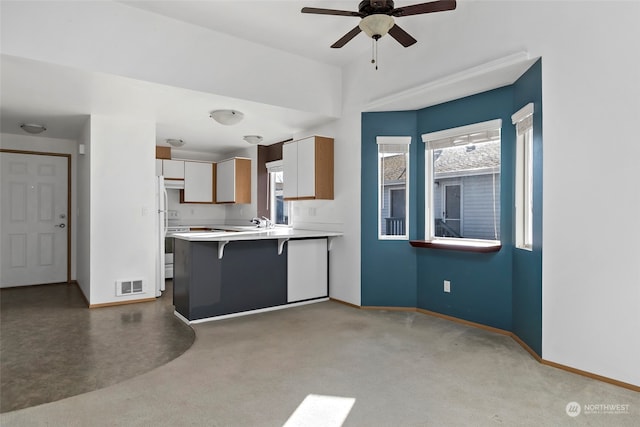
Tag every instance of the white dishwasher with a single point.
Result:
(307, 275)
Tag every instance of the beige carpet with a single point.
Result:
(402, 369)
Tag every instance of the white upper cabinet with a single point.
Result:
(290, 170)
(173, 169)
(198, 183)
(308, 168)
(233, 181)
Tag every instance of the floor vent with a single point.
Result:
(128, 287)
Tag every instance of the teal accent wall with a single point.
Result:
(388, 267)
(480, 283)
(501, 289)
(527, 265)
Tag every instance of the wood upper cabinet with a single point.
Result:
(163, 152)
(199, 183)
(308, 168)
(233, 181)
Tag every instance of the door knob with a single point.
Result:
(61, 225)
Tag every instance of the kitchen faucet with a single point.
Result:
(263, 222)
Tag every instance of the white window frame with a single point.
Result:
(403, 143)
(276, 166)
(523, 121)
(442, 139)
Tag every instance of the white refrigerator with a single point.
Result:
(162, 222)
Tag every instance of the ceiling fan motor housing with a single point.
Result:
(370, 7)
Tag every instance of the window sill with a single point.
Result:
(466, 246)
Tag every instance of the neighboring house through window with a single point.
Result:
(393, 188)
(463, 182)
(279, 208)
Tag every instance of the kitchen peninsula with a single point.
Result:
(222, 273)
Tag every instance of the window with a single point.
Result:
(523, 119)
(393, 187)
(463, 183)
(280, 210)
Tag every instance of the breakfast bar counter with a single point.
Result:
(219, 274)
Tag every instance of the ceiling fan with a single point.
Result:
(377, 18)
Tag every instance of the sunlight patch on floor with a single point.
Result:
(321, 411)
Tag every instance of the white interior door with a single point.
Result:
(33, 219)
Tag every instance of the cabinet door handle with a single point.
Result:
(60, 225)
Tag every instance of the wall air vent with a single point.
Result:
(129, 287)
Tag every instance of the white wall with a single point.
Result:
(591, 272)
(117, 39)
(53, 145)
(341, 214)
(122, 206)
(84, 211)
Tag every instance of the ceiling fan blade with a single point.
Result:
(347, 37)
(401, 36)
(416, 9)
(320, 11)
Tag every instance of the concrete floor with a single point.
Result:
(403, 369)
(52, 346)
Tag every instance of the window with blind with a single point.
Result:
(462, 181)
(523, 120)
(393, 187)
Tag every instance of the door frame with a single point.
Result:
(444, 203)
(404, 205)
(69, 215)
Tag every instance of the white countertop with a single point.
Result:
(254, 234)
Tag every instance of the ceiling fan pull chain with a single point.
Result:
(374, 50)
(373, 54)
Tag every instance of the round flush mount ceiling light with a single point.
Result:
(252, 139)
(175, 142)
(226, 117)
(32, 128)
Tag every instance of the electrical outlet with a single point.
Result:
(447, 286)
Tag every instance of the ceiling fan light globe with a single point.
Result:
(376, 25)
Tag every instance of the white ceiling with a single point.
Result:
(281, 25)
(62, 98)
